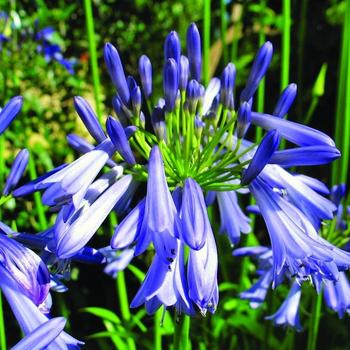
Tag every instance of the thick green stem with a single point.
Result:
(346, 102)
(206, 39)
(182, 333)
(285, 54)
(315, 322)
(223, 16)
(93, 55)
(157, 332)
(122, 291)
(2, 327)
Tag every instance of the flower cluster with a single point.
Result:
(191, 148)
(336, 290)
(158, 165)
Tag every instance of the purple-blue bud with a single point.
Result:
(18, 167)
(213, 110)
(130, 131)
(243, 119)
(89, 118)
(172, 47)
(228, 78)
(145, 71)
(338, 193)
(170, 83)
(192, 95)
(9, 112)
(136, 100)
(158, 123)
(201, 96)
(264, 152)
(260, 65)
(198, 126)
(116, 72)
(194, 52)
(122, 112)
(285, 101)
(184, 72)
(130, 80)
(117, 134)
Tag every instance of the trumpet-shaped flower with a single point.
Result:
(288, 313)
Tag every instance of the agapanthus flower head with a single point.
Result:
(191, 145)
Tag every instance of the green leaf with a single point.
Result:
(137, 272)
(105, 314)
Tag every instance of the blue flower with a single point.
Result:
(227, 84)
(256, 294)
(18, 167)
(29, 315)
(337, 295)
(296, 133)
(160, 221)
(165, 285)
(26, 268)
(74, 228)
(170, 83)
(288, 313)
(116, 72)
(264, 152)
(195, 223)
(232, 219)
(172, 47)
(9, 112)
(308, 155)
(145, 71)
(285, 101)
(295, 242)
(89, 118)
(117, 134)
(117, 260)
(72, 181)
(194, 52)
(42, 336)
(260, 65)
(202, 275)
